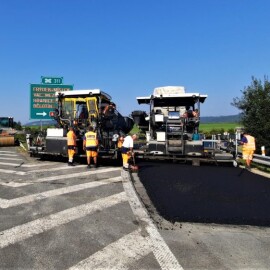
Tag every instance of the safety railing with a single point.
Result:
(264, 160)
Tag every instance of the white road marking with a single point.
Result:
(3, 201)
(38, 165)
(55, 192)
(54, 169)
(25, 165)
(6, 158)
(29, 229)
(15, 184)
(9, 164)
(118, 255)
(74, 175)
(11, 152)
(36, 171)
(66, 167)
(12, 172)
(162, 252)
(9, 155)
(58, 177)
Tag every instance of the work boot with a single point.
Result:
(88, 166)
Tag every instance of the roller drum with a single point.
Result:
(7, 141)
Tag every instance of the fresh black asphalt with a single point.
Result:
(207, 193)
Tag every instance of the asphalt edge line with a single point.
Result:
(162, 252)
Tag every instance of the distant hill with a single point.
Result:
(39, 122)
(221, 119)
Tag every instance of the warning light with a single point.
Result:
(51, 114)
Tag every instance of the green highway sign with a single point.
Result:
(52, 80)
(43, 100)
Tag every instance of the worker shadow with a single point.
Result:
(242, 172)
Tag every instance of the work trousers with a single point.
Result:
(71, 153)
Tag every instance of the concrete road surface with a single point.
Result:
(57, 217)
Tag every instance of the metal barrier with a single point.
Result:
(261, 159)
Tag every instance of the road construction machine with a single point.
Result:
(171, 128)
(7, 133)
(81, 109)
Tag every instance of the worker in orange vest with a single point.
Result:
(71, 145)
(249, 147)
(90, 144)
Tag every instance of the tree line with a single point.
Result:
(254, 106)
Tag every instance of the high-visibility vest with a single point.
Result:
(71, 138)
(120, 142)
(250, 145)
(91, 139)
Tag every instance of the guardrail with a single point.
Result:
(259, 159)
(265, 160)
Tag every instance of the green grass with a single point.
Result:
(217, 126)
(204, 127)
(135, 130)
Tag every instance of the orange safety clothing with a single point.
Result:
(71, 142)
(120, 142)
(91, 139)
(71, 138)
(126, 157)
(250, 145)
(91, 153)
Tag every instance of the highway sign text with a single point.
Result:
(43, 100)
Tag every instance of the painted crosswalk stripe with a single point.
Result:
(12, 172)
(162, 252)
(11, 152)
(9, 164)
(9, 155)
(7, 158)
(14, 184)
(41, 225)
(37, 171)
(118, 255)
(25, 165)
(56, 169)
(75, 175)
(56, 192)
(3, 201)
(59, 177)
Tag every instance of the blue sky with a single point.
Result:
(128, 47)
